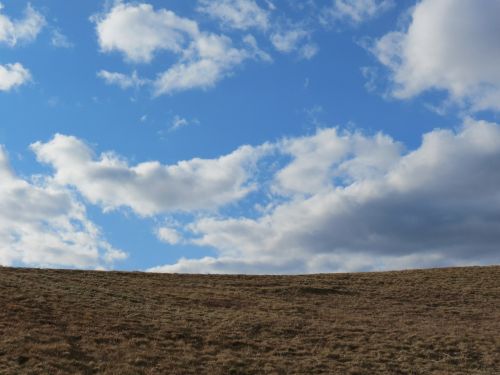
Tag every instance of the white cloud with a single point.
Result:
(13, 32)
(236, 14)
(168, 235)
(181, 122)
(203, 59)
(287, 40)
(12, 76)
(328, 156)
(121, 80)
(26, 29)
(209, 59)
(294, 39)
(150, 188)
(138, 31)
(449, 45)
(254, 51)
(60, 40)
(246, 14)
(371, 76)
(354, 11)
(366, 205)
(331, 201)
(308, 50)
(43, 225)
(270, 5)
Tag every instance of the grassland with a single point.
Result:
(441, 321)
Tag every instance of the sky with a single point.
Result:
(249, 136)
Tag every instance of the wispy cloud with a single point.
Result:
(24, 30)
(181, 122)
(353, 11)
(59, 40)
(237, 14)
(121, 80)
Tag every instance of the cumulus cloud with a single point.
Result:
(44, 225)
(236, 14)
(321, 159)
(138, 31)
(449, 45)
(149, 188)
(369, 205)
(121, 80)
(12, 76)
(13, 32)
(356, 11)
(26, 29)
(168, 235)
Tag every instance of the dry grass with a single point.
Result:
(444, 321)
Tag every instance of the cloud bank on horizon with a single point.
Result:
(323, 198)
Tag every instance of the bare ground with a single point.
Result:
(440, 321)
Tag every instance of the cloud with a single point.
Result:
(13, 32)
(44, 225)
(168, 235)
(371, 76)
(448, 45)
(150, 188)
(181, 122)
(24, 30)
(208, 59)
(355, 12)
(139, 32)
(123, 81)
(328, 156)
(236, 14)
(12, 76)
(60, 40)
(246, 14)
(366, 205)
(253, 50)
(294, 39)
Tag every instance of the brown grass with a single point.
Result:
(442, 321)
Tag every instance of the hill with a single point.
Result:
(439, 321)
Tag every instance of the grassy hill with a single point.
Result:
(440, 321)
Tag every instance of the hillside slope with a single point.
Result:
(440, 321)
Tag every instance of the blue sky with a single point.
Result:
(249, 136)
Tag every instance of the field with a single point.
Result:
(440, 321)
